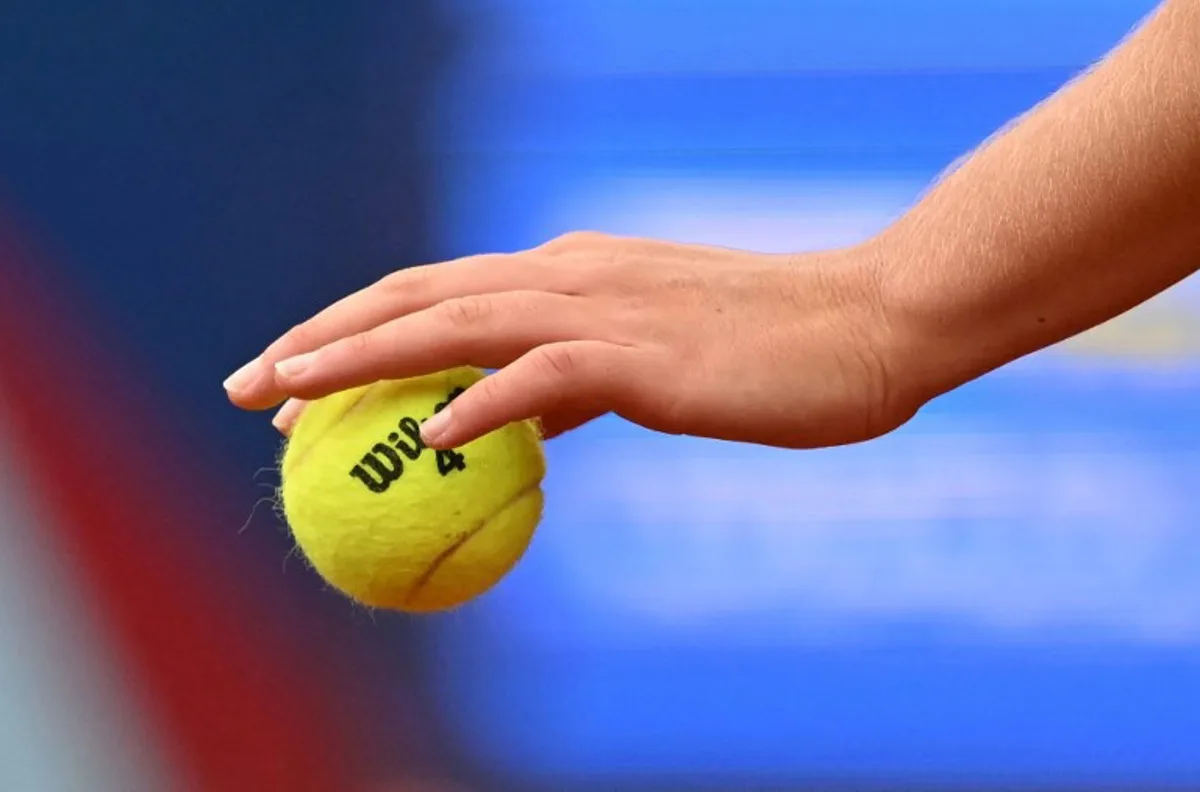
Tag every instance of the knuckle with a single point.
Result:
(575, 240)
(557, 362)
(628, 270)
(464, 312)
(359, 344)
(299, 338)
(402, 280)
(490, 390)
(587, 237)
(410, 286)
(393, 281)
(685, 281)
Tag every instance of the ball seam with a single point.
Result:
(445, 555)
(303, 453)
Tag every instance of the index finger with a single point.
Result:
(401, 293)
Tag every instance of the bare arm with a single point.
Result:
(1085, 208)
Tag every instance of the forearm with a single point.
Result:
(1087, 207)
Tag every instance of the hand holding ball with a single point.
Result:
(394, 524)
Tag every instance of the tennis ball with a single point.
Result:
(394, 524)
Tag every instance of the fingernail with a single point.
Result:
(243, 377)
(295, 366)
(285, 419)
(435, 427)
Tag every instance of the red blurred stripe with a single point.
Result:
(231, 696)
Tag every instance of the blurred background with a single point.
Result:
(1003, 595)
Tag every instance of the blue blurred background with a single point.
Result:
(1003, 595)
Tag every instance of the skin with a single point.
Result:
(1082, 209)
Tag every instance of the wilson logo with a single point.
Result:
(384, 463)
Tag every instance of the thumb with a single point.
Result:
(560, 378)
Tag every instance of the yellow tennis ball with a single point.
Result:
(394, 524)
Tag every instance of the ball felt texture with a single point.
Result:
(394, 524)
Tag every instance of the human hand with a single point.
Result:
(790, 351)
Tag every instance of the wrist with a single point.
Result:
(892, 345)
(936, 337)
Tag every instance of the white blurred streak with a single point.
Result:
(763, 214)
(70, 721)
(1020, 540)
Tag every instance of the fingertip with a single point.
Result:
(452, 439)
(445, 430)
(254, 387)
(448, 442)
(293, 368)
(244, 377)
(434, 428)
(242, 385)
(287, 416)
(303, 378)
